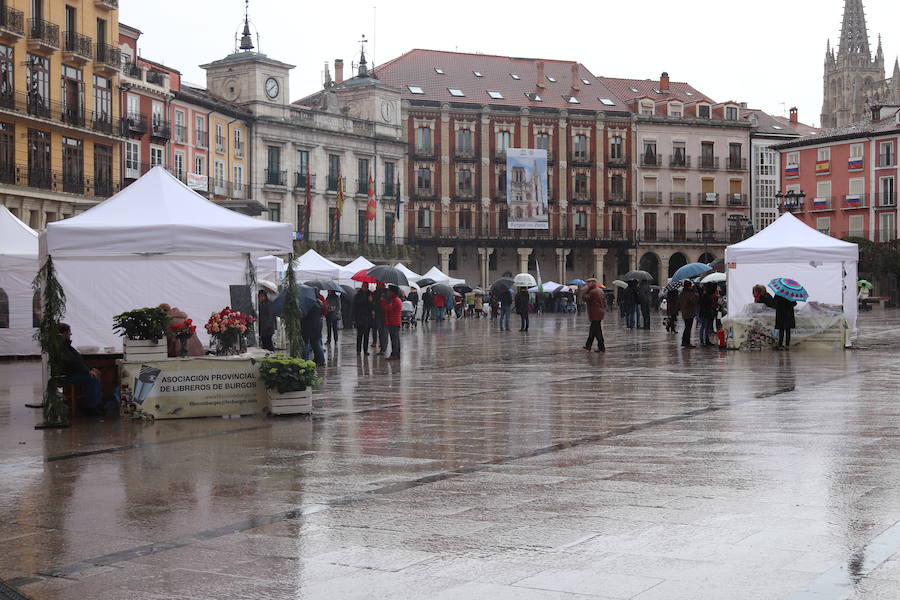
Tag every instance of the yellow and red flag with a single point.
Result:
(340, 195)
(372, 206)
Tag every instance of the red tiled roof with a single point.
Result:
(798, 128)
(417, 68)
(777, 126)
(624, 88)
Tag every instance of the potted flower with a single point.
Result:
(183, 332)
(289, 382)
(228, 329)
(142, 330)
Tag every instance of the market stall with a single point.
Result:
(271, 268)
(312, 265)
(355, 266)
(440, 277)
(827, 268)
(18, 266)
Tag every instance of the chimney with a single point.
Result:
(540, 73)
(743, 105)
(338, 71)
(664, 82)
(794, 118)
(576, 80)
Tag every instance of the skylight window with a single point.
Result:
(534, 97)
(439, 70)
(689, 93)
(455, 92)
(514, 76)
(607, 101)
(414, 89)
(495, 95)
(657, 91)
(551, 79)
(571, 99)
(633, 90)
(585, 82)
(477, 73)
(777, 127)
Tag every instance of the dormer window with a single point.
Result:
(606, 102)
(676, 109)
(414, 89)
(533, 97)
(439, 70)
(495, 95)
(647, 109)
(731, 113)
(514, 76)
(456, 92)
(571, 99)
(703, 111)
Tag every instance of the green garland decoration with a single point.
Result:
(53, 304)
(290, 314)
(250, 276)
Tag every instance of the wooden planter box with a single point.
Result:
(290, 403)
(145, 350)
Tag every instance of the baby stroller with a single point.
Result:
(407, 315)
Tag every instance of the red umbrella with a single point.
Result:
(363, 277)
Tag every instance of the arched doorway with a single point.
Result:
(706, 258)
(650, 263)
(677, 261)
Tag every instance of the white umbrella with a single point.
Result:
(264, 283)
(714, 278)
(524, 280)
(619, 283)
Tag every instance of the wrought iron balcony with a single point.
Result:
(389, 188)
(708, 199)
(72, 115)
(43, 36)
(737, 200)
(679, 161)
(736, 163)
(820, 203)
(133, 71)
(465, 154)
(617, 198)
(852, 201)
(220, 143)
(134, 123)
(886, 199)
(332, 183)
(57, 181)
(708, 163)
(274, 177)
(12, 25)
(648, 160)
(108, 58)
(201, 139)
(239, 149)
(300, 180)
(580, 157)
(77, 48)
(108, 4)
(466, 193)
(181, 134)
(424, 193)
(581, 197)
(651, 198)
(156, 77)
(423, 152)
(887, 159)
(618, 161)
(680, 198)
(160, 128)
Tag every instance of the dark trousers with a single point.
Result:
(314, 345)
(596, 333)
(631, 315)
(645, 314)
(331, 323)
(383, 335)
(426, 314)
(265, 341)
(373, 333)
(525, 319)
(784, 337)
(92, 389)
(686, 335)
(394, 333)
(362, 338)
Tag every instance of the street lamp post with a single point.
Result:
(790, 200)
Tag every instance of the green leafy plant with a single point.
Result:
(290, 315)
(288, 374)
(53, 308)
(142, 324)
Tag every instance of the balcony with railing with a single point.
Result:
(107, 4)
(708, 163)
(581, 197)
(500, 155)
(77, 48)
(423, 152)
(651, 198)
(708, 199)
(160, 128)
(362, 186)
(852, 201)
(57, 181)
(43, 36)
(220, 143)
(737, 200)
(12, 25)
(331, 183)
(648, 160)
(235, 190)
(466, 193)
(239, 149)
(201, 138)
(465, 154)
(423, 193)
(72, 115)
(887, 159)
(679, 161)
(580, 158)
(617, 199)
(680, 198)
(618, 161)
(886, 199)
(133, 71)
(389, 188)
(300, 180)
(820, 203)
(134, 124)
(156, 77)
(107, 59)
(680, 236)
(737, 163)
(180, 134)
(275, 177)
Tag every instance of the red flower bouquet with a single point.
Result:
(228, 328)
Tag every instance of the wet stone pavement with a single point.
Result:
(483, 465)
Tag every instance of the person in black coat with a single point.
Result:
(522, 301)
(266, 322)
(784, 321)
(363, 315)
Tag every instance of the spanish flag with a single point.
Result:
(372, 205)
(340, 195)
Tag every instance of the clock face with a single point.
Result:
(387, 111)
(271, 87)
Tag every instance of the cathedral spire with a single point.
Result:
(896, 72)
(854, 35)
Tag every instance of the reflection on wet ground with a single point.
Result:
(483, 465)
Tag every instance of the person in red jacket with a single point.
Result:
(391, 305)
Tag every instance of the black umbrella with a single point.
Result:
(501, 285)
(637, 274)
(462, 288)
(348, 290)
(389, 275)
(425, 282)
(442, 289)
(325, 284)
(718, 265)
(307, 297)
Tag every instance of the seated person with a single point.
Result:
(77, 372)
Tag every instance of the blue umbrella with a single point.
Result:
(578, 282)
(690, 270)
(307, 298)
(788, 288)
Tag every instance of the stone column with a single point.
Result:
(524, 253)
(599, 257)
(446, 179)
(632, 258)
(561, 254)
(445, 253)
(485, 255)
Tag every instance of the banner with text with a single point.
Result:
(526, 189)
(198, 387)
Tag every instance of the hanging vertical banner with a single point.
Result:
(526, 188)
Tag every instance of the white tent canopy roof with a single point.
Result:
(549, 287)
(16, 238)
(438, 276)
(157, 214)
(355, 266)
(312, 265)
(789, 239)
(410, 275)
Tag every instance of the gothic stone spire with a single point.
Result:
(854, 35)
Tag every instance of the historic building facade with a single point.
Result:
(854, 79)
(460, 114)
(59, 112)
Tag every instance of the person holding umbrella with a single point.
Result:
(427, 305)
(363, 308)
(595, 299)
(787, 292)
(506, 301)
(266, 321)
(333, 317)
(522, 305)
(392, 307)
(687, 306)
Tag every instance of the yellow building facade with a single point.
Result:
(60, 141)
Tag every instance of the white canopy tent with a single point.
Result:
(312, 265)
(825, 266)
(270, 268)
(18, 266)
(547, 287)
(440, 277)
(155, 241)
(412, 276)
(355, 266)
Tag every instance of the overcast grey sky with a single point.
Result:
(767, 53)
